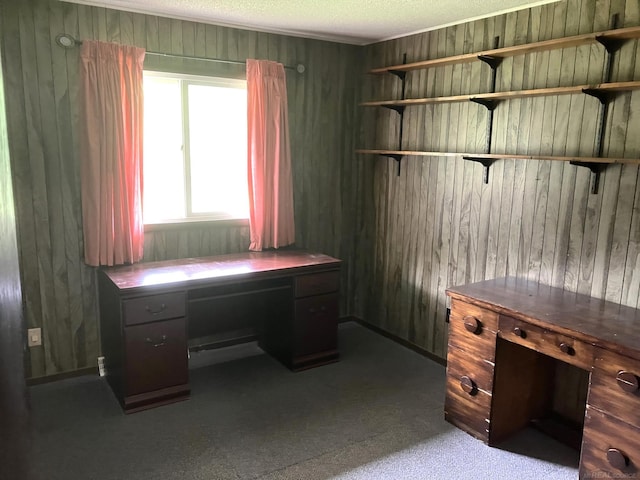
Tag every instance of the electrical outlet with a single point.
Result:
(34, 337)
(101, 369)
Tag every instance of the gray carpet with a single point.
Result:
(378, 413)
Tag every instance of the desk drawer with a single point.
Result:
(154, 307)
(614, 386)
(477, 370)
(473, 330)
(610, 448)
(316, 324)
(470, 412)
(317, 283)
(156, 356)
(555, 345)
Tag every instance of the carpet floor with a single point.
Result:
(376, 414)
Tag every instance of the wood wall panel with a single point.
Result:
(41, 81)
(14, 421)
(534, 219)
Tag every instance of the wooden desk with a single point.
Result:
(504, 335)
(148, 311)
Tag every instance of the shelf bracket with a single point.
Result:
(604, 97)
(401, 74)
(611, 45)
(596, 170)
(396, 156)
(397, 108)
(485, 162)
(492, 61)
(488, 103)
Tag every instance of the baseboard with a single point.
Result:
(62, 376)
(244, 339)
(401, 341)
(347, 318)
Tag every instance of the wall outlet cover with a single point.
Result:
(34, 337)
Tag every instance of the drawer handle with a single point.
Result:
(617, 459)
(628, 382)
(472, 324)
(568, 349)
(162, 342)
(155, 312)
(518, 332)
(468, 385)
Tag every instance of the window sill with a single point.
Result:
(188, 224)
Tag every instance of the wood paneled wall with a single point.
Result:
(14, 421)
(42, 89)
(403, 239)
(438, 225)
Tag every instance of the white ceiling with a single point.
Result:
(358, 22)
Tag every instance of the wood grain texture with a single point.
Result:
(535, 219)
(602, 432)
(15, 421)
(592, 321)
(41, 81)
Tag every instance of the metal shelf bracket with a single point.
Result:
(485, 162)
(596, 170)
(493, 62)
(396, 156)
(397, 108)
(488, 103)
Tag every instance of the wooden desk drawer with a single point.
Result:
(317, 283)
(316, 324)
(486, 319)
(476, 370)
(154, 307)
(466, 411)
(473, 330)
(610, 448)
(156, 356)
(614, 386)
(555, 345)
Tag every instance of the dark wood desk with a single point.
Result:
(504, 335)
(148, 311)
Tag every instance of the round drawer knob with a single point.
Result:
(472, 324)
(566, 348)
(518, 332)
(468, 385)
(617, 459)
(628, 382)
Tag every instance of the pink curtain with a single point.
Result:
(111, 152)
(269, 157)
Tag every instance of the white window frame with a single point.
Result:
(186, 80)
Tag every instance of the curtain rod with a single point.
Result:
(68, 41)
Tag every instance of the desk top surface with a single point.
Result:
(602, 323)
(215, 268)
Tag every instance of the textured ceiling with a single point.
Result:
(350, 21)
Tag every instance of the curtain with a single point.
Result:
(111, 152)
(271, 222)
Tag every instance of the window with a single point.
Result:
(195, 148)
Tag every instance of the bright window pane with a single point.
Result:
(194, 148)
(163, 178)
(218, 146)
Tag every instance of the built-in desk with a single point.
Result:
(505, 335)
(149, 311)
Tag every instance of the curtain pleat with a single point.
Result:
(111, 152)
(271, 216)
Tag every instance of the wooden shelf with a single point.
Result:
(500, 156)
(605, 37)
(601, 87)
(611, 40)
